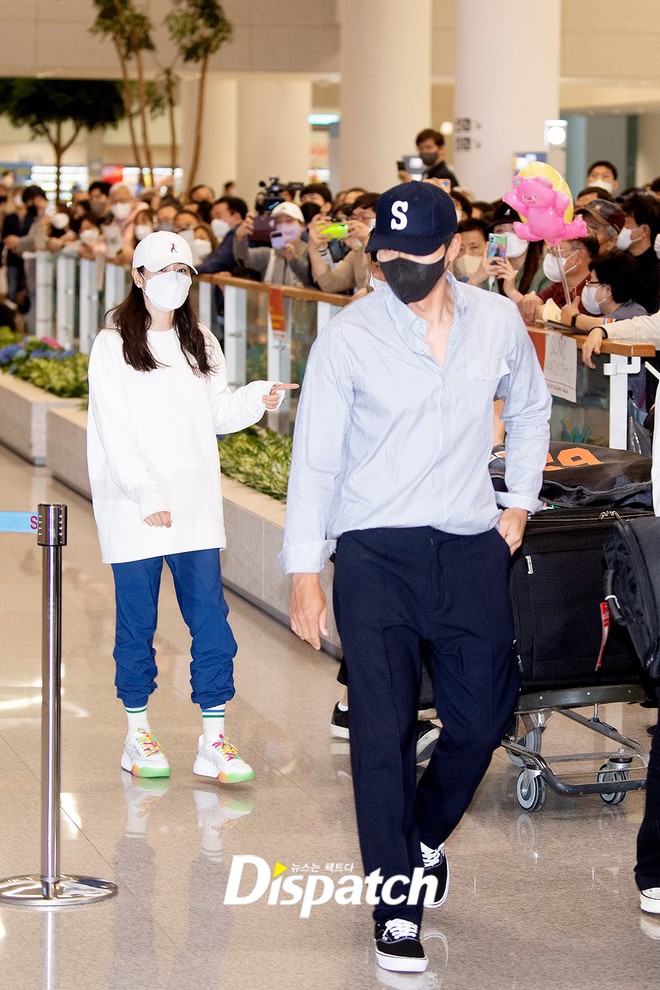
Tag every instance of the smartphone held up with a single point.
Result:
(496, 247)
(334, 230)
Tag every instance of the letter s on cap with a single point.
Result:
(399, 219)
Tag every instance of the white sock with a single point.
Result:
(137, 719)
(214, 722)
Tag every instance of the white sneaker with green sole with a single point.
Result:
(220, 760)
(143, 756)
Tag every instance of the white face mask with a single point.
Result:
(467, 265)
(90, 235)
(625, 238)
(603, 184)
(656, 246)
(589, 301)
(142, 230)
(515, 246)
(376, 283)
(459, 216)
(121, 210)
(60, 221)
(552, 269)
(167, 291)
(201, 249)
(290, 231)
(220, 228)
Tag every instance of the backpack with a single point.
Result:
(632, 585)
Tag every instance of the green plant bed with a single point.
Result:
(258, 457)
(42, 362)
(65, 376)
(8, 336)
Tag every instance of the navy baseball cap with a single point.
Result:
(415, 218)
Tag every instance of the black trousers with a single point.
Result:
(396, 592)
(647, 870)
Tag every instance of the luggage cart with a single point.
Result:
(567, 661)
(624, 769)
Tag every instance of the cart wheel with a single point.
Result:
(605, 775)
(531, 741)
(531, 792)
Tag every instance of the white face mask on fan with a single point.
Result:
(625, 239)
(589, 301)
(201, 249)
(220, 228)
(466, 265)
(121, 211)
(552, 266)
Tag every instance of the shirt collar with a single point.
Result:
(404, 318)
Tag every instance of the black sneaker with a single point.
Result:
(435, 865)
(339, 723)
(398, 947)
(427, 736)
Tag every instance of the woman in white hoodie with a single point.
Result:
(158, 396)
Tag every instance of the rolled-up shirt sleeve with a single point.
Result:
(527, 404)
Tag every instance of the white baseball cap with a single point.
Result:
(288, 210)
(160, 249)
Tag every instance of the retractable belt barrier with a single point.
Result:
(51, 889)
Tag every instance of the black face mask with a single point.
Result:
(32, 211)
(429, 158)
(411, 281)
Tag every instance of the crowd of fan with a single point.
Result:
(307, 237)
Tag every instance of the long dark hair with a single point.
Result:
(132, 320)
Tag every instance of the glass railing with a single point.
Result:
(269, 330)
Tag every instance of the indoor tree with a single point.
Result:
(59, 109)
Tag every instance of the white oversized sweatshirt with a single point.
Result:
(151, 446)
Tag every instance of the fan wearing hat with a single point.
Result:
(287, 264)
(390, 476)
(158, 395)
(521, 270)
(605, 220)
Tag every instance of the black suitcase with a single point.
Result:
(556, 589)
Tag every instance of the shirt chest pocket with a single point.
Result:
(478, 386)
(486, 369)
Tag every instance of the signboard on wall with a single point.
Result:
(22, 171)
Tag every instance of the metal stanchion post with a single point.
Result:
(52, 889)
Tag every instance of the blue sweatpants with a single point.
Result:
(398, 592)
(198, 585)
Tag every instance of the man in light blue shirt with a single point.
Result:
(390, 474)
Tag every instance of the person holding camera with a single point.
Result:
(352, 272)
(283, 260)
(431, 149)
